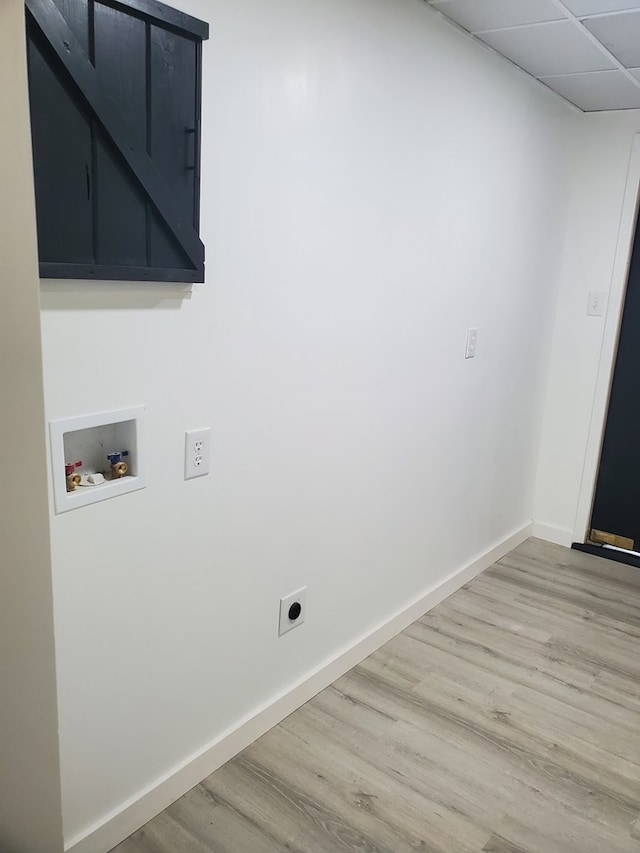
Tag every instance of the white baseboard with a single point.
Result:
(557, 535)
(152, 800)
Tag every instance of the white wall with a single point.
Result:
(374, 183)
(596, 249)
(30, 812)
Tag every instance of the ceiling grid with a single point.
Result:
(588, 51)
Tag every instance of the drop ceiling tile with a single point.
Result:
(620, 34)
(597, 7)
(598, 90)
(476, 15)
(547, 49)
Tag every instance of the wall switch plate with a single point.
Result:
(292, 610)
(196, 453)
(597, 303)
(472, 341)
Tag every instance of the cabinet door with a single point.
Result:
(115, 91)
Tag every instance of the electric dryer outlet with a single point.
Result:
(292, 610)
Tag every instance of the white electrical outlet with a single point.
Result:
(196, 453)
(597, 303)
(292, 610)
(472, 342)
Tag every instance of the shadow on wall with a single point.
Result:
(113, 295)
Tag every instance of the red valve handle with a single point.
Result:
(69, 468)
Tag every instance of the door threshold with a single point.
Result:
(609, 552)
(623, 550)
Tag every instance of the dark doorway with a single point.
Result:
(615, 519)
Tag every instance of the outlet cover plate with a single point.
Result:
(299, 597)
(196, 453)
(597, 304)
(472, 343)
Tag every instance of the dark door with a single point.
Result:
(616, 511)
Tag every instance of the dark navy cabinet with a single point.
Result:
(115, 94)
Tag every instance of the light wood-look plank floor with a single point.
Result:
(506, 720)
